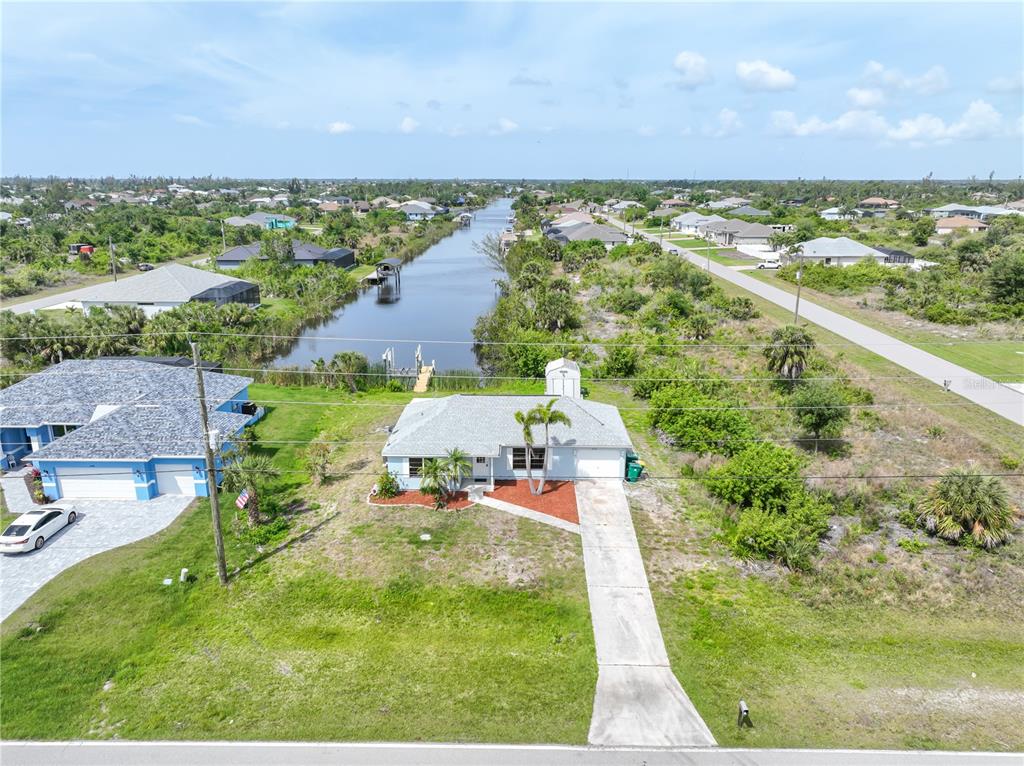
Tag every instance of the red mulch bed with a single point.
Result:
(558, 499)
(456, 501)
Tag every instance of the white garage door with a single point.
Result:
(598, 464)
(175, 479)
(96, 481)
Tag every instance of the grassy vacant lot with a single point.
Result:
(1001, 359)
(355, 629)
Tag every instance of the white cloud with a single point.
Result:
(529, 81)
(340, 127)
(692, 68)
(979, 121)
(504, 125)
(408, 125)
(865, 98)
(646, 131)
(190, 119)
(933, 81)
(760, 75)
(1007, 83)
(727, 124)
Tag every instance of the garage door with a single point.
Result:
(175, 479)
(96, 481)
(598, 464)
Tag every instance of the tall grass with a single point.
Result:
(457, 380)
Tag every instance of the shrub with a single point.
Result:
(651, 379)
(792, 537)
(762, 475)
(912, 544)
(821, 410)
(387, 484)
(267, 534)
(965, 506)
(741, 308)
(625, 300)
(698, 422)
(621, 361)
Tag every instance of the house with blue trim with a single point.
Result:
(119, 428)
(594, 446)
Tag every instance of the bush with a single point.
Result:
(964, 506)
(698, 422)
(762, 475)
(912, 544)
(741, 308)
(791, 537)
(622, 361)
(387, 484)
(651, 379)
(625, 300)
(821, 410)
(267, 534)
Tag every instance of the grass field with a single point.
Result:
(356, 630)
(1002, 360)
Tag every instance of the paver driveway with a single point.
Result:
(639, 700)
(101, 526)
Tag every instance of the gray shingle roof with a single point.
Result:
(70, 392)
(256, 219)
(304, 251)
(170, 283)
(481, 425)
(586, 231)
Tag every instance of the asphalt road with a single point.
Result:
(992, 395)
(354, 754)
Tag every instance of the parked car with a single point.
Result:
(31, 530)
(769, 265)
(145, 267)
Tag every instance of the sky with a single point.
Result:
(530, 90)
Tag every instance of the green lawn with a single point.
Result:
(358, 272)
(688, 242)
(1003, 360)
(358, 630)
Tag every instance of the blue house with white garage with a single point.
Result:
(119, 428)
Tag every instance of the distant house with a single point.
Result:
(728, 203)
(168, 287)
(418, 211)
(329, 207)
(263, 220)
(949, 224)
(582, 232)
(837, 214)
(736, 232)
(380, 202)
(624, 205)
(878, 203)
(749, 211)
(688, 223)
(673, 203)
(305, 255)
(361, 206)
(81, 204)
(979, 212)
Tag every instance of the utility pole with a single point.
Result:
(223, 239)
(799, 282)
(211, 469)
(113, 261)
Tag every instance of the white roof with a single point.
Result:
(560, 364)
(481, 425)
(838, 247)
(167, 284)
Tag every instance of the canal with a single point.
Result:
(443, 292)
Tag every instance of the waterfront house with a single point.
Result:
(582, 232)
(303, 254)
(418, 211)
(263, 220)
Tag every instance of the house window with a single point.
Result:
(61, 430)
(536, 458)
(481, 461)
(415, 466)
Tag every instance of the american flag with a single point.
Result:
(242, 499)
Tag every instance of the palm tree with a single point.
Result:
(457, 466)
(788, 350)
(250, 471)
(965, 502)
(525, 419)
(349, 364)
(434, 479)
(545, 415)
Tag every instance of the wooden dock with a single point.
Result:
(423, 379)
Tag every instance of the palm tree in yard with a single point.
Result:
(546, 415)
(525, 419)
(963, 502)
(457, 466)
(434, 479)
(788, 350)
(252, 472)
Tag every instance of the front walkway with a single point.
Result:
(639, 701)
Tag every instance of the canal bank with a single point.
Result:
(443, 291)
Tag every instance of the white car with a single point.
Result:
(31, 530)
(769, 265)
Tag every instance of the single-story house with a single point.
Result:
(624, 205)
(728, 203)
(305, 255)
(581, 232)
(379, 202)
(876, 203)
(949, 224)
(752, 212)
(263, 220)
(838, 251)
(980, 212)
(736, 232)
(418, 211)
(837, 214)
(168, 287)
(688, 223)
(571, 219)
(124, 428)
(595, 445)
(673, 202)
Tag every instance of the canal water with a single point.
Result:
(443, 292)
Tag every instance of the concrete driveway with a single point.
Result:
(638, 701)
(101, 526)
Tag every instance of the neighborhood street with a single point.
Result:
(94, 753)
(996, 397)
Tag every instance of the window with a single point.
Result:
(415, 466)
(536, 458)
(61, 430)
(481, 461)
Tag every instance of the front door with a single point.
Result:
(481, 470)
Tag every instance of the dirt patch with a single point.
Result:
(557, 500)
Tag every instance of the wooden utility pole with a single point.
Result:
(799, 282)
(211, 470)
(113, 261)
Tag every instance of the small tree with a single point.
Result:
(434, 479)
(525, 420)
(252, 472)
(788, 351)
(922, 229)
(457, 466)
(546, 415)
(963, 502)
(821, 409)
(318, 459)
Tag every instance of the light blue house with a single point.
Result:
(119, 428)
(270, 221)
(593, 447)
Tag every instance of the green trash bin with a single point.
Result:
(633, 471)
